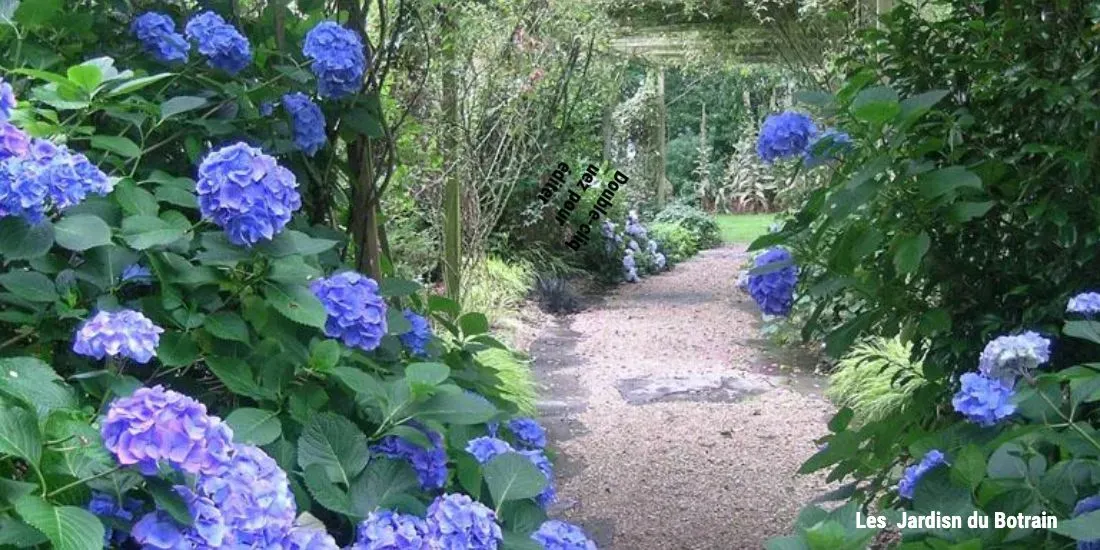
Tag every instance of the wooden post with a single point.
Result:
(452, 188)
(662, 140)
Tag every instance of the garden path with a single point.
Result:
(673, 427)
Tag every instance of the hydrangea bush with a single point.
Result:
(189, 362)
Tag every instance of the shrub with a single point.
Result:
(701, 224)
(495, 286)
(876, 379)
(678, 242)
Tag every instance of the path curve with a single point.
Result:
(670, 431)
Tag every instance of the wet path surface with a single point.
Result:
(673, 427)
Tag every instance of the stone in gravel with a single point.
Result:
(690, 387)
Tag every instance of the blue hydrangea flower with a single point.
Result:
(430, 464)
(456, 522)
(107, 507)
(630, 271)
(158, 36)
(912, 474)
(155, 425)
(634, 227)
(253, 495)
(417, 339)
(1084, 506)
(785, 135)
(13, 141)
(1007, 357)
(246, 193)
(356, 312)
(634, 246)
(339, 62)
(208, 527)
(224, 47)
(558, 535)
(125, 333)
(72, 177)
(608, 229)
(659, 260)
(267, 108)
(22, 193)
(7, 100)
(538, 458)
(307, 121)
(528, 432)
(983, 400)
(47, 176)
(307, 539)
(158, 531)
(1085, 303)
(136, 273)
(387, 530)
(826, 147)
(485, 449)
(774, 291)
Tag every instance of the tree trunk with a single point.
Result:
(452, 190)
(662, 142)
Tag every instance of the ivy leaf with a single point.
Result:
(29, 285)
(383, 480)
(254, 426)
(334, 442)
(67, 527)
(512, 476)
(35, 383)
(82, 232)
(298, 304)
(19, 435)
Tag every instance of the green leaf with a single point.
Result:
(1083, 527)
(512, 476)
(910, 251)
(292, 242)
(454, 406)
(962, 212)
(518, 541)
(177, 349)
(383, 480)
(18, 534)
(33, 13)
(82, 232)
(136, 84)
(297, 303)
(143, 232)
(227, 326)
(180, 104)
(367, 388)
(396, 323)
(876, 105)
(177, 196)
(119, 145)
(292, 270)
(1083, 329)
(254, 426)
(325, 492)
(431, 374)
(398, 287)
(914, 107)
(19, 435)
(947, 181)
(968, 467)
(169, 500)
(473, 323)
(237, 377)
(35, 383)
(324, 355)
(87, 77)
(334, 442)
(134, 199)
(20, 240)
(446, 305)
(29, 285)
(67, 527)
(364, 122)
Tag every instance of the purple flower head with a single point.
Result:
(158, 531)
(137, 273)
(1086, 303)
(634, 228)
(914, 473)
(485, 449)
(430, 464)
(386, 530)
(339, 62)
(659, 260)
(785, 135)
(267, 108)
(300, 538)
(356, 312)
(1007, 357)
(158, 36)
(774, 290)
(828, 146)
(538, 458)
(528, 432)
(208, 526)
(630, 272)
(1084, 506)
(224, 47)
(634, 246)
(155, 425)
(108, 507)
(45, 176)
(608, 229)
(253, 496)
(7, 100)
(307, 121)
(22, 193)
(417, 339)
(71, 177)
(455, 522)
(558, 535)
(246, 193)
(13, 141)
(983, 400)
(125, 333)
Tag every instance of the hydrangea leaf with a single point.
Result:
(380, 483)
(1085, 527)
(518, 541)
(396, 323)
(238, 377)
(35, 383)
(293, 242)
(254, 426)
(334, 442)
(427, 373)
(473, 323)
(169, 500)
(82, 232)
(136, 84)
(398, 287)
(454, 406)
(876, 105)
(909, 252)
(947, 181)
(18, 534)
(20, 240)
(19, 435)
(67, 527)
(512, 476)
(29, 285)
(325, 492)
(227, 326)
(180, 104)
(142, 232)
(121, 146)
(297, 303)
(522, 516)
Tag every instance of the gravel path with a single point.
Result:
(672, 429)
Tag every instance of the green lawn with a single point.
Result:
(743, 228)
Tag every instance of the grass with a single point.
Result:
(743, 228)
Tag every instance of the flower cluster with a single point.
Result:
(658, 259)
(630, 270)
(549, 494)
(914, 473)
(386, 530)
(125, 333)
(13, 141)
(7, 100)
(1007, 357)
(356, 312)
(158, 36)
(155, 425)
(1084, 506)
(306, 539)
(430, 464)
(137, 273)
(339, 62)
(45, 176)
(307, 121)
(558, 535)
(246, 193)
(983, 400)
(455, 521)
(1086, 303)
(634, 228)
(416, 339)
(774, 290)
(108, 507)
(528, 432)
(223, 45)
(485, 449)
(785, 135)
